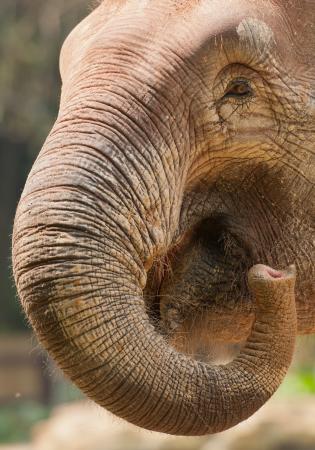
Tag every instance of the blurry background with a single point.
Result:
(31, 34)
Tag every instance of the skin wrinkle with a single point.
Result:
(139, 71)
(143, 378)
(156, 179)
(83, 229)
(139, 211)
(174, 187)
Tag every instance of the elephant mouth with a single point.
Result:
(197, 294)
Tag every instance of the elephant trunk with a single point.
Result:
(91, 220)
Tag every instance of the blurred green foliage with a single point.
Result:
(16, 421)
(299, 382)
(32, 32)
(31, 35)
(18, 418)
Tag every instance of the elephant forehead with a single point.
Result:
(283, 28)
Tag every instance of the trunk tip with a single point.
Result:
(263, 273)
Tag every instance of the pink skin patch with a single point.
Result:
(266, 272)
(274, 273)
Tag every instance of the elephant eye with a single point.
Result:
(238, 89)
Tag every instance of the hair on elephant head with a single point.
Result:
(172, 207)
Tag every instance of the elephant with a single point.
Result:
(172, 207)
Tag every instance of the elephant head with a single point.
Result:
(180, 169)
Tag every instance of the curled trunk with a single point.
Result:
(81, 250)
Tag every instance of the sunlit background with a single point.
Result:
(39, 409)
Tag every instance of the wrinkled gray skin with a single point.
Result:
(183, 155)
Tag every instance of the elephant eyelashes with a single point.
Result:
(239, 89)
